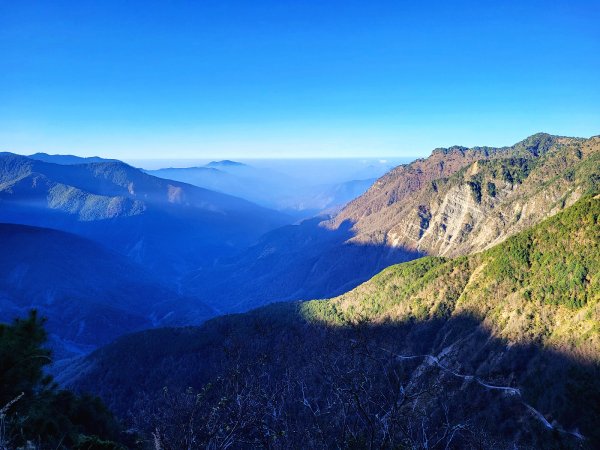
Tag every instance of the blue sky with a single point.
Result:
(280, 78)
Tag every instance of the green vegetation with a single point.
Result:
(391, 287)
(33, 409)
(475, 186)
(490, 172)
(557, 262)
(541, 271)
(588, 174)
(513, 170)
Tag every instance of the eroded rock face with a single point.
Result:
(452, 221)
(461, 200)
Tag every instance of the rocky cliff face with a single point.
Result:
(460, 200)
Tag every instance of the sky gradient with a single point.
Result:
(247, 79)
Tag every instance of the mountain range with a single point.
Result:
(453, 203)
(167, 226)
(98, 247)
(293, 195)
(454, 304)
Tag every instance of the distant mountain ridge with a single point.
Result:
(67, 159)
(225, 163)
(270, 188)
(168, 226)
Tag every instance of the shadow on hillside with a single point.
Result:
(372, 380)
(295, 262)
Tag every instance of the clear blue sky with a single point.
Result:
(255, 78)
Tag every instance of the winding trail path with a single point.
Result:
(509, 390)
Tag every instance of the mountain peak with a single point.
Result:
(225, 163)
(536, 144)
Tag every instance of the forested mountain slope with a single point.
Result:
(89, 294)
(493, 350)
(541, 285)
